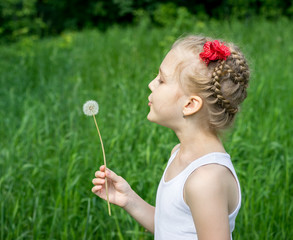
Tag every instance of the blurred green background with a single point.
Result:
(49, 150)
(39, 18)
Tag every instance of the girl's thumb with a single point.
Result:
(111, 175)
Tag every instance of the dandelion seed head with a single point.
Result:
(91, 108)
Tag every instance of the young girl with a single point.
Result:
(197, 93)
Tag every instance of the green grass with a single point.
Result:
(49, 150)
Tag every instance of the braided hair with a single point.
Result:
(222, 84)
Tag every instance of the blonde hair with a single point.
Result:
(222, 84)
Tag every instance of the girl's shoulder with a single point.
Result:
(210, 173)
(212, 185)
(210, 177)
(206, 186)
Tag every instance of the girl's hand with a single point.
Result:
(118, 189)
(121, 194)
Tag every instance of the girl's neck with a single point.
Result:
(198, 143)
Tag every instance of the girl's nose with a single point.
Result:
(151, 85)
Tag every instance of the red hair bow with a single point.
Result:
(213, 51)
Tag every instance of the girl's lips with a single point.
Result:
(150, 102)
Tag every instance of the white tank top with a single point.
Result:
(173, 219)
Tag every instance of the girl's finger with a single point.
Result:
(98, 181)
(99, 174)
(113, 176)
(95, 189)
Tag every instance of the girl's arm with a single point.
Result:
(121, 194)
(205, 193)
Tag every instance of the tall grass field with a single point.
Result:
(49, 150)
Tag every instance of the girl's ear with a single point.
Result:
(192, 106)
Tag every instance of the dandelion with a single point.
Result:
(91, 108)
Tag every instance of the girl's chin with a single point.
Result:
(150, 118)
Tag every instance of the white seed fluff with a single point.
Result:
(91, 108)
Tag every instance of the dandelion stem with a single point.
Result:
(104, 155)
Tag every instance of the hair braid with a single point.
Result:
(241, 73)
(216, 78)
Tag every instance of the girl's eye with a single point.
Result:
(160, 81)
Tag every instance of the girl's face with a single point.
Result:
(166, 100)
